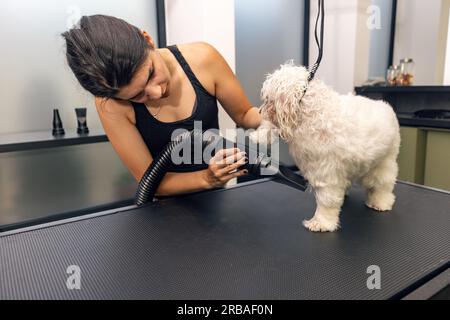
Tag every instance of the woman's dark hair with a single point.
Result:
(104, 53)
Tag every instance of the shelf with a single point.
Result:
(406, 89)
(409, 120)
(409, 99)
(45, 139)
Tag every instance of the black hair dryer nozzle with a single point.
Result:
(263, 165)
(58, 129)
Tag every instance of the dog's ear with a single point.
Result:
(268, 113)
(285, 89)
(287, 109)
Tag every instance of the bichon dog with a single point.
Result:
(334, 139)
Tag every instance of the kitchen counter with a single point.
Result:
(408, 100)
(406, 89)
(408, 120)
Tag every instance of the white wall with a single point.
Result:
(35, 77)
(204, 20)
(417, 34)
(443, 65)
(447, 55)
(380, 38)
(345, 62)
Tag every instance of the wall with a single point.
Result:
(380, 40)
(417, 34)
(444, 44)
(35, 78)
(268, 33)
(345, 60)
(203, 20)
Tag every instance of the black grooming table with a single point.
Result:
(245, 242)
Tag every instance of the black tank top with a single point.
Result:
(157, 134)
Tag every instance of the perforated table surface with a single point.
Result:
(245, 242)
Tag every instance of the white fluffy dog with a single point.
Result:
(334, 140)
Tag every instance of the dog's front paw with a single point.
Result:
(381, 201)
(315, 225)
(379, 207)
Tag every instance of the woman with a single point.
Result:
(143, 93)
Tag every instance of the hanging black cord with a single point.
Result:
(319, 10)
(319, 42)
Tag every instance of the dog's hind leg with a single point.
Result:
(379, 184)
(329, 200)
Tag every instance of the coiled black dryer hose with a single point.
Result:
(163, 162)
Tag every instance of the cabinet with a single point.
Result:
(425, 157)
(411, 159)
(437, 162)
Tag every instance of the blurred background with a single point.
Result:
(395, 50)
(35, 77)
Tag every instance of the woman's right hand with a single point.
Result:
(224, 166)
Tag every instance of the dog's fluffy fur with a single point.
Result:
(334, 139)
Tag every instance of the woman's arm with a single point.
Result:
(229, 91)
(251, 119)
(129, 145)
(223, 167)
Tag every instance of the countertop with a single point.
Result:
(408, 120)
(407, 100)
(402, 89)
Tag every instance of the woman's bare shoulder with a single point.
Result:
(202, 57)
(115, 108)
(199, 53)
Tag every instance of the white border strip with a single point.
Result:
(424, 187)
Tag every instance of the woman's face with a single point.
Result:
(150, 83)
